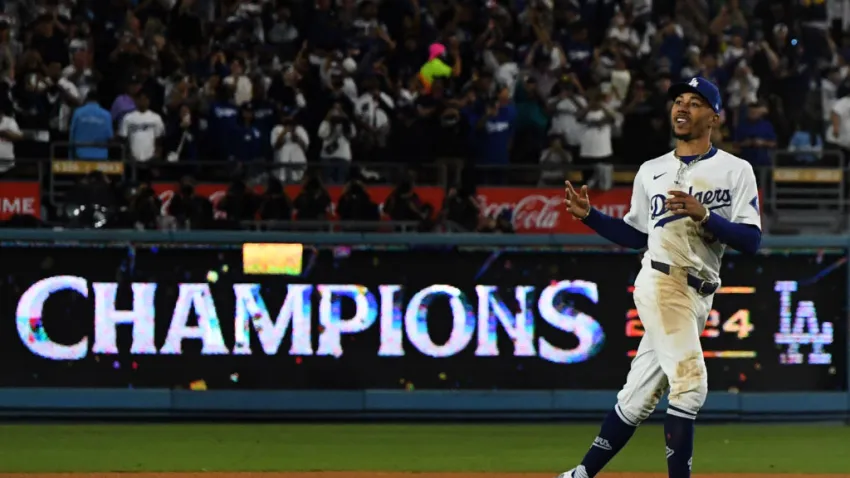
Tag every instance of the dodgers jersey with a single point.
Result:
(723, 183)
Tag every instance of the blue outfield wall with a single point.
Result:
(394, 403)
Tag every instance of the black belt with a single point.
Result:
(704, 287)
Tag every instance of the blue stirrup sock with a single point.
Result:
(615, 433)
(679, 435)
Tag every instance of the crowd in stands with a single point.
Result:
(315, 88)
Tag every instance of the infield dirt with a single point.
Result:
(343, 474)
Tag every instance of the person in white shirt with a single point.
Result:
(143, 130)
(596, 149)
(64, 96)
(336, 132)
(372, 110)
(290, 142)
(565, 108)
(9, 134)
(243, 89)
(838, 129)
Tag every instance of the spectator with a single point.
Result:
(460, 208)
(492, 125)
(372, 112)
(182, 135)
(91, 124)
(807, 142)
(143, 130)
(241, 84)
(246, 142)
(191, 210)
(596, 148)
(403, 204)
(435, 67)
(355, 204)
(9, 134)
(838, 130)
(290, 143)
(238, 204)
(222, 122)
(266, 115)
(336, 133)
(313, 203)
(126, 102)
(63, 97)
(275, 205)
(553, 162)
(566, 105)
(756, 136)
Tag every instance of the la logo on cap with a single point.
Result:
(694, 83)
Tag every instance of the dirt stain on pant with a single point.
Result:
(690, 374)
(673, 301)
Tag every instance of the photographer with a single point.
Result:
(373, 109)
(190, 210)
(238, 204)
(290, 143)
(313, 203)
(144, 207)
(355, 204)
(275, 205)
(404, 204)
(336, 132)
(460, 207)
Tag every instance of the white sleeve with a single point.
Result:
(123, 127)
(638, 214)
(160, 127)
(745, 199)
(303, 136)
(276, 132)
(12, 126)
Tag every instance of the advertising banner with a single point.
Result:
(295, 316)
(23, 197)
(535, 210)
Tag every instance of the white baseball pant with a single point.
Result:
(670, 354)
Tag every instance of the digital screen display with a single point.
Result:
(348, 317)
(275, 259)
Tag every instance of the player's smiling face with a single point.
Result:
(691, 116)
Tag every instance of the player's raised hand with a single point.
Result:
(577, 202)
(684, 204)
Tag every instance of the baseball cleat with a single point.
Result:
(567, 474)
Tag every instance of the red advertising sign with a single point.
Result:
(22, 198)
(541, 210)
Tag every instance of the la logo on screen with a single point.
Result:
(386, 308)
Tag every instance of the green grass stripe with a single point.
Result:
(489, 448)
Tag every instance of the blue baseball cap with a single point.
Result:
(700, 86)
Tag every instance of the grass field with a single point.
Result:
(545, 449)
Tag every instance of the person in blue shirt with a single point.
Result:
(91, 123)
(755, 136)
(492, 133)
(222, 120)
(807, 141)
(265, 115)
(245, 142)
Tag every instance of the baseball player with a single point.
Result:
(686, 207)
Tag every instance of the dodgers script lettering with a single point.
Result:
(387, 308)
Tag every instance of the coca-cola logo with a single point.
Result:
(534, 211)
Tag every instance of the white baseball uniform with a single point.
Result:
(674, 313)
